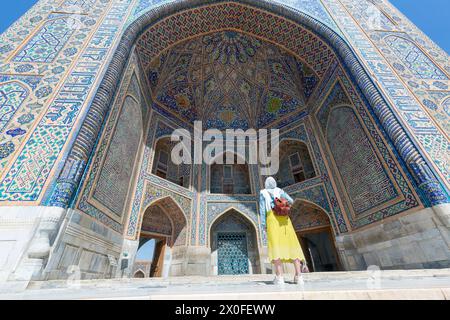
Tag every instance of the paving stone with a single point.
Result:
(395, 284)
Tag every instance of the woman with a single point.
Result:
(283, 245)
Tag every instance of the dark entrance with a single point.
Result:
(319, 250)
(314, 232)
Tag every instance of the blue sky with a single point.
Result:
(432, 16)
(146, 251)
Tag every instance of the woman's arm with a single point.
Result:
(287, 197)
(262, 208)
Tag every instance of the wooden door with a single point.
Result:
(158, 258)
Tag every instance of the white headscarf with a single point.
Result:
(270, 183)
(270, 191)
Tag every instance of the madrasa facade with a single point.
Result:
(92, 90)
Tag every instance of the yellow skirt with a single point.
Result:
(282, 241)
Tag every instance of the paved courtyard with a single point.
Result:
(413, 284)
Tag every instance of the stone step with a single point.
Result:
(313, 276)
(391, 284)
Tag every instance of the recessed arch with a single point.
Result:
(232, 179)
(139, 274)
(296, 162)
(313, 204)
(244, 215)
(313, 226)
(233, 240)
(177, 216)
(163, 166)
(356, 162)
(247, 70)
(324, 34)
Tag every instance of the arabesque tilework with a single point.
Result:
(28, 174)
(48, 42)
(407, 100)
(56, 94)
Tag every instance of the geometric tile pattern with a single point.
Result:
(318, 190)
(425, 79)
(313, 8)
(408, 198)
(217, 208)
(12, 95)
(232, 253)
(414, 59)
(117, 170)
(230, 80)
(184, 25)
(408, 100)
(46, 76)
(332, 201)
(99, 209)
(47, 141)
(47, 43)
(76, 4)
(155, 192)
(150, 187)
(306, 216)
(352, 151)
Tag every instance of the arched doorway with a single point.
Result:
(139, 274)
(234, 245)
(315, 234)
(164, 224)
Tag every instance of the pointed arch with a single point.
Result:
(227, 210)
(176, 216)
(163, 166)
(139, 274)
(296, 162)
(302, 220)
(313, 226)
(331, 41)
(233, 239)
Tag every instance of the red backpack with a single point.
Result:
(282, 207)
